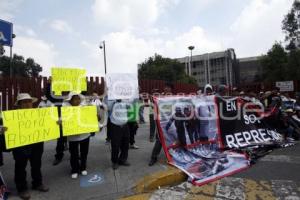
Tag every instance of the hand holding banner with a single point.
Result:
(79, 119)
(29, 126)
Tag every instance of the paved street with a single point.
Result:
(101, 183)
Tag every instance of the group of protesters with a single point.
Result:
(121, 128)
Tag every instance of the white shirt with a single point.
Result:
(119, 115)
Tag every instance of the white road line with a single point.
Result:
(230, 188)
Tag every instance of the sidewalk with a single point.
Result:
(102, 182)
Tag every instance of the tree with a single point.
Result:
(274, 63)
(20, 67)
(291, 27)
(167, 69)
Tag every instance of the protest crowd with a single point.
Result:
(121, 118)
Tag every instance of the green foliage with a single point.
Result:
(21, 67)
(167, 69)
(291, 27)
(284, 64)
(274, 63)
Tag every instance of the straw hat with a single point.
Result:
(24, 96)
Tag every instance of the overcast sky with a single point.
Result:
(68, 33)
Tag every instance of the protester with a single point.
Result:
(32, 153)
(222, 90)
(77, 142)
(45, 102)
(151, 116)
(141, 110)
(133, 123)
(57, 100)
(157, 146)
(119, 134)
(101, 110)
(208, 90)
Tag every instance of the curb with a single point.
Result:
(168, 177)
(144, 187)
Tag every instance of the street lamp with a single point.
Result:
(102, 46)
(191, 48)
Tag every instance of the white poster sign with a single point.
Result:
(285, 86)
(122, 86)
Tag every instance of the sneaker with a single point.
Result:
(41, 188)
(115, 166)
(124, 163)
(24, 195)
(152, 162)
(151, 139)
(56, 162)
(289, 139)
(84, 173)
(74, 176)
(133, 146)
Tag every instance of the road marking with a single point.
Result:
(230, 188)
(285, 190)
(281, 158)
(258, 190)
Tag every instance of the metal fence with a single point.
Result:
(10, 87)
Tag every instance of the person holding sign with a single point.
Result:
(119, 134)
(32, 153)
(77, 141)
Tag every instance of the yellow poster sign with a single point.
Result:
(68, 79)
(79, 119)
(29, 126)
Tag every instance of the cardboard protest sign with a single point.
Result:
(79, 119)
(68, 79)
(122, 86)
(29, 126)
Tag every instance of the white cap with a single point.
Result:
(24, 96)
(71, 94)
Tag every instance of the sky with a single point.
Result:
(68, 33)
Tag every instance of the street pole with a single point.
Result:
(10, 63)
(104, 54)
(191, 48)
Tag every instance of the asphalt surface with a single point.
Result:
(102, 181)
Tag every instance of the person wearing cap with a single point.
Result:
(119, 133)
(45, 102)
(32, 153)
(222, 90)
(208, 90)
(76, 142)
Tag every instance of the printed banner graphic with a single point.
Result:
(242, 124)
(199, 134)
(68, 80)
(29, 126)
(79, 119)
